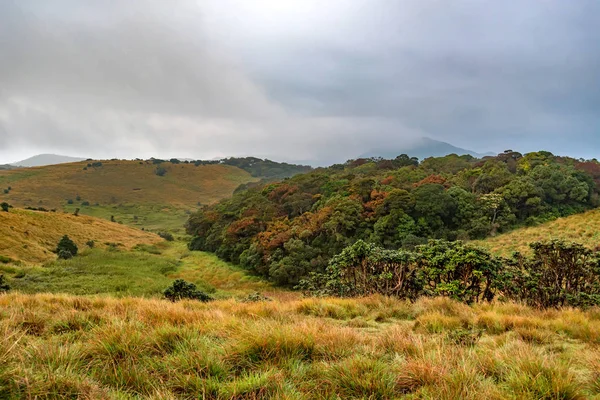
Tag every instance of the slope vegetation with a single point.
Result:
(582, 228)
(31, 236)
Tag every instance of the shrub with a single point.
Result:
(66, 245)
(6, 191)
(167, 236)
(70, 201)
(90, 244)
(3, 285)
(85, 203)
(76, 213)
(5, 206)
(181, 289)
(160, 171)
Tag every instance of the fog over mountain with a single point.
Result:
(296, 80)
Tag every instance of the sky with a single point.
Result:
(306, 80)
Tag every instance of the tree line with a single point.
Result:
(288, 229)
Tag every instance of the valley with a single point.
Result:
(282, 308)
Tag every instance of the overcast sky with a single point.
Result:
(296, 80)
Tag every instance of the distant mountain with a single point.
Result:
(46, 159)
(422, 148)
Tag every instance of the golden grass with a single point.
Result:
(58, 346)
(120, 182)
(582, 228)
(31, 236)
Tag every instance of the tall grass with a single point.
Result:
(58, 346)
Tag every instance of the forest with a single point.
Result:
(288, 229)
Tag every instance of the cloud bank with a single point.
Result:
(296, 80)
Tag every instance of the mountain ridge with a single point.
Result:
(423, 148)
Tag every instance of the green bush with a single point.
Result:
(181, 289)
(5, 206)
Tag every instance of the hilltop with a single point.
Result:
(581, 228)
(46, 159)
(31, 236)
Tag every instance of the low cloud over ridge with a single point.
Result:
(296, 80)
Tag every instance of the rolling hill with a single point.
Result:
(31, 236)
(581, 228)
(131, 191)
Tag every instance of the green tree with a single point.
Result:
(66, 248)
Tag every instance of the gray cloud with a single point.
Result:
(296, 80)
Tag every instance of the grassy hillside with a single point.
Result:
(31, 236)
(129, 190)
(582, 228)
(57, 346)
(146, 270)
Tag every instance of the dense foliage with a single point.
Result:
(286, 230)
(557, 274)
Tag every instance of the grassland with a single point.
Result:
(57, 346)
(582, 228)
(130, 191)
(31, 236)
(144, 271)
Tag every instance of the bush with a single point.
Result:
(167, 236)
(3, 285)
(65, 255)
(66, 245)
(160, 171)
(181, 289)
(90, 244)
(5, 206)
(70, 201)
(85, 203)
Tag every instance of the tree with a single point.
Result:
(66, 248)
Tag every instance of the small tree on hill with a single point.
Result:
(181, 289)
(66, 248)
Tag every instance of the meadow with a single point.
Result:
(144, 271)
(59, 346)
